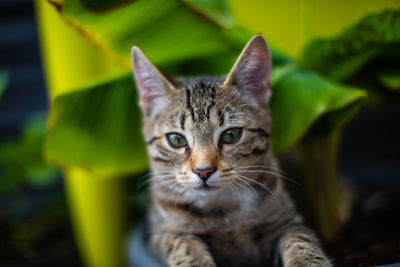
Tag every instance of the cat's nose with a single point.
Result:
(204, 172)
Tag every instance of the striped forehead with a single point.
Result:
(200, 99)
(203, 105)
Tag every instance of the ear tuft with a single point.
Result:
(151, 84)
(251, 71)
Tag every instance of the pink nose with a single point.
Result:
(204, 173)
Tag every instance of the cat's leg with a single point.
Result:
(299, 246)
(181, 250)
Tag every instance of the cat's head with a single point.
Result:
(207, 133)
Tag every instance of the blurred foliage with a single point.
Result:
(367, 54)
(169, 29)
(97, 128)
(390, 80)
(83, 124)
(3, 81)
(340, 57)
(22, 161)
(300, 98)
(33, 208)
(216, 10)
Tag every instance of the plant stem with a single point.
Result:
(318, 155)
(98, 210)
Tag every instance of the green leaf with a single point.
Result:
(174, 34)
(390, 80)
(103, 5)
(168, 31)
(38, 172)
(3, 82)
(217, 10)
(22, 161)
(98, 128)
(299, 98)
(341, 57)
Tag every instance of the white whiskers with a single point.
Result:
(260, 184)
(244, 170)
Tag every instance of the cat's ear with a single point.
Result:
(251, 72)
(151, 84)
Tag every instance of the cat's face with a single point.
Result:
(204, 134)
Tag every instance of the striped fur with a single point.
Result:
(243, 217)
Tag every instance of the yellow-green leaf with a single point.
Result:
(168, 31)
(98, 128)
(299, 98)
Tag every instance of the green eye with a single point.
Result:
(176, 140)
(231, 136)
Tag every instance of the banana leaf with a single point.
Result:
(340, 58)
(98, 127)
(300, 98)
(216, 10)
(166, 30)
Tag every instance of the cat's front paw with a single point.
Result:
(192, 261)
(308, 262)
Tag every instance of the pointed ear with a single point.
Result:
(251, 72)
(151, 84)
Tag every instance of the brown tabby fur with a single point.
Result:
(243, 215)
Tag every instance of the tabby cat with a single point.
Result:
(217, 196)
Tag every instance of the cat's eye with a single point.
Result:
(230, 136)
(176, 140)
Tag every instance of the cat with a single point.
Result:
(217, 196)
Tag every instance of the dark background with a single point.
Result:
(35, 227)
(20, 56)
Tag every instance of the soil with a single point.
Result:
(372, 234)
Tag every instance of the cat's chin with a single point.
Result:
(206, 187)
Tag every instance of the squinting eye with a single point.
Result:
(176, 140)
(231, 136)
